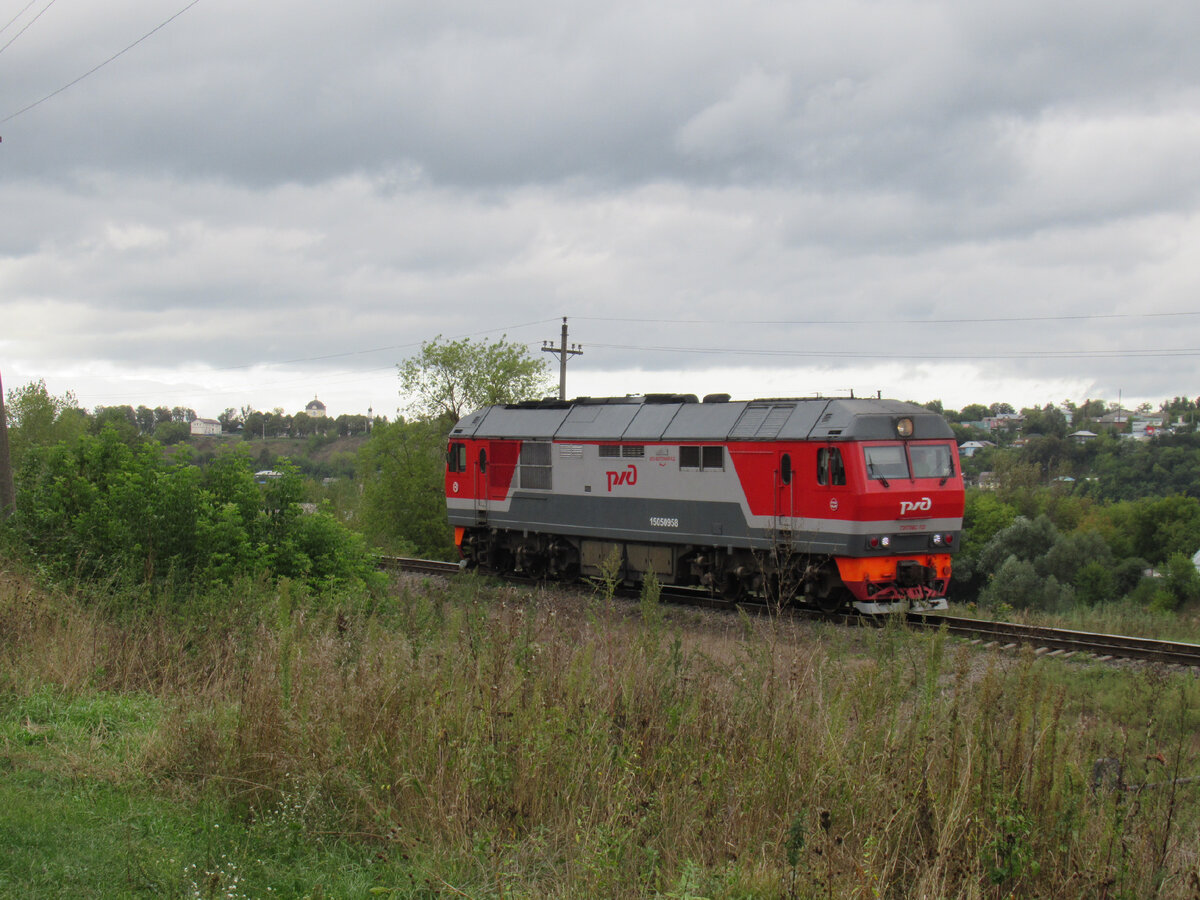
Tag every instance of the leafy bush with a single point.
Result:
(1182, 581)
(1026, 539)
(1070, 553)
(1018, 584)
(97, 508)
(1095, 583)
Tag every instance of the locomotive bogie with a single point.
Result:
(824, 501)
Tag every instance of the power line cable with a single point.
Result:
(27, 25)
(808, 323)
(8, 24)
(97, 68)
(940, 356)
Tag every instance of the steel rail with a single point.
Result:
(423, 566)
(1062, 641)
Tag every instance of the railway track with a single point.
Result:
(1061, 642)
(1054, 642)
(420, 566)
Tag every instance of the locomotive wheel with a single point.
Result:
(500, 561)
(732, 589)
(833, 601)
(781, 588)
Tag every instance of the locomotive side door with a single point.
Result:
(481, 485)
(785, 492)
(831, 493)
(495, 464)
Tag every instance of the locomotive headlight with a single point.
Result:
(937, 540)
(904, 428)
(885, 541)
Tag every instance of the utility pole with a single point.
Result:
(8, 496)
(562, 351)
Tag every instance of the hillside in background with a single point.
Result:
(316, 455)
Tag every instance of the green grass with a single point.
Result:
(81, 820)
(471, 740)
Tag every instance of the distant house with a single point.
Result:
(1116, 417)
(315, 409)
(1081, 437)
(970, 448)
(206, 427)
(988, 481)
(1003, 420)
(1146, 426)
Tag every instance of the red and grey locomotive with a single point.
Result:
(832, 502)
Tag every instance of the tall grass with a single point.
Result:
(510, 743)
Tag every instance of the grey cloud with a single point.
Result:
(265, 182)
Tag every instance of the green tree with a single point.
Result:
(169, 433)
(1072, 552)
(254, 426)
(1095, 583)
(1182, 581)
(448, 379)
(1049, 420)
(36, 418)
(1019, 480)
(121, 419)
(302, 425)
(144, 418)
(984, 515)
(1017, 583)
(403, 507)
(1159, 527)
(1025, 539)
(1090, 410)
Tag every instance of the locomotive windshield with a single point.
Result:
(886, 461)
(931, 460)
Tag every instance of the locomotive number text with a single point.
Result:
(660, 522)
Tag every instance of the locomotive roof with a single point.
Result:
(681, 418)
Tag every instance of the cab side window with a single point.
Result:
(837, 468)
(830, 467)
(456, 458)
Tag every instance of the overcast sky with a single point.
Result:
(995, 200)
